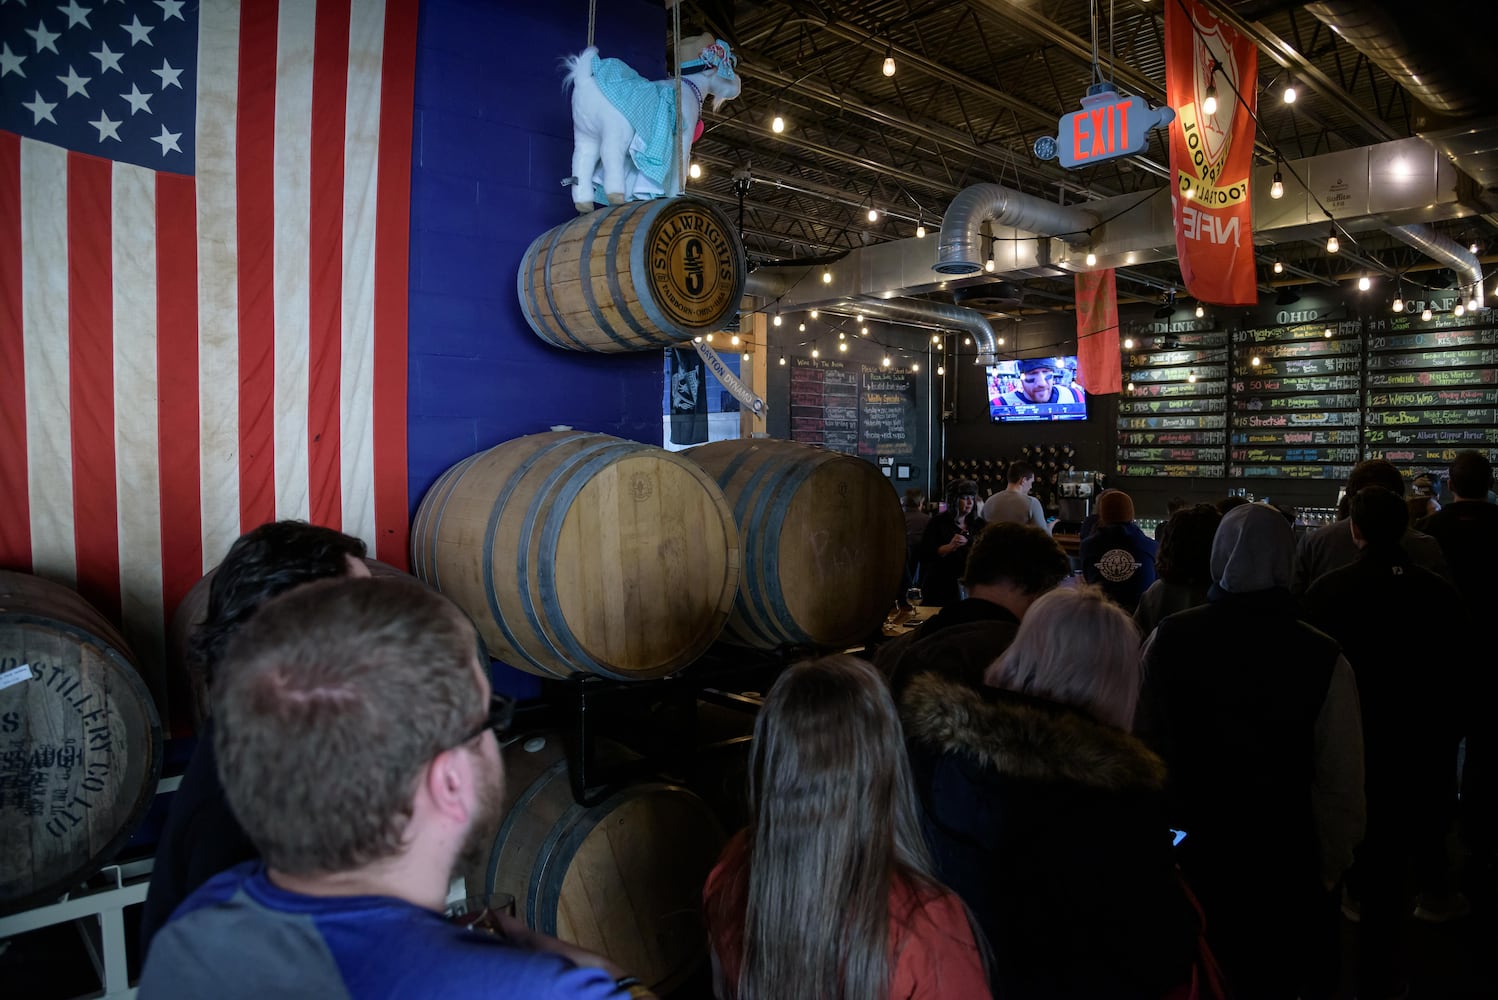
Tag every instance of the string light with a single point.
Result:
(1460, 309)
(814, 314)
(1327, 333)
(696, 340)
(826, 280)
(1191, 376)
(936, 338)
(777, 125)
(1255, 361)
(989, 265)
(1128, 343)
(776, 320)
(1472, 249)
(1131, 387)
(782, 359)
(1472, 303)
(709, 338)
(1200, 312)
(864, 331)
(801, 328)
(744, 357)
(1091, 258)
(1277, 186)
(873, 214)
(1001, 341)
(841, 335)
(888, 69)
(1398, 304)
(1279, 268)
(915, 366)
(886, 362)
(694, 171)
(814, 352)
(860, 319)
(1364, 283)
(1289, 94)
(1332, 246)
(734, 340)
(920, 230)
(966, 341)
(842, 345)
(941, 369)
(1209, 105)
(1425, 314)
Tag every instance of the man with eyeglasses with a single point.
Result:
(356, 749)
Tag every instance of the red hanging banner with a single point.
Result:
(1211, 155)
(1099, 365)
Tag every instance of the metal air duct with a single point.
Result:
(937, 314)
(959, 247)
(1444, 250)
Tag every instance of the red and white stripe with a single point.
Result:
(184, 358)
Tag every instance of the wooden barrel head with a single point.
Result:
(633, 277)
(80, 742)
(823, 536)
(623, 878)
(578, 552)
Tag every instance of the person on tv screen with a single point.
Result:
(1037, 384)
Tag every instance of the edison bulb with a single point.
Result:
(889, 66)
(1255, 361)
(1091, 258)
(1128, 343)
(1425, 314)
(1398, 305)
(777, 125)
(1209, 105)
(1364, 283)
(1279, 268)
(920, 231)
(695, 171)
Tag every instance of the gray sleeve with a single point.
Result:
(233, 952)
(1337, 788)
(1037, 513)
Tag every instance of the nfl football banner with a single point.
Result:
(1099, 365)
(1211, 155)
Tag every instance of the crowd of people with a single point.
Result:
(1134, 788)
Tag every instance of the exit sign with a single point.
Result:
(1108, 126)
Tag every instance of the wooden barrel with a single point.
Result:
(582, 553)
(622, 878)
(80, 741)
(824, 542)
(187, 688)
(632, 277)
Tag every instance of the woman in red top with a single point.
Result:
(828, 891)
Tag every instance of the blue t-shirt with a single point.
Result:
(239, 936)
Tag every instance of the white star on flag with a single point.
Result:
(76, 15)
(107, 60)
(10, 62)
(108, 129)
(40, 109)
(168, 75)
(44, 39)
(76, 84)
(138, 101)
(168, 141)
(171, 9)
(138, 32)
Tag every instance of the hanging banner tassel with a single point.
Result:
(738, 390)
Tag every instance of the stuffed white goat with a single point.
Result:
(622, 124)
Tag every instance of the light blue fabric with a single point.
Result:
(650, 108)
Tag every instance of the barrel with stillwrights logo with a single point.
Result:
(582, 553)
(633, 277)
(824, 542)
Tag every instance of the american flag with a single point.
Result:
(203, 265)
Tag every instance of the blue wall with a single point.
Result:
(491, 144)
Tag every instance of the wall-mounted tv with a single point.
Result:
(1036, 389)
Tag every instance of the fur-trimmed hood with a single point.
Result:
(1026, 738)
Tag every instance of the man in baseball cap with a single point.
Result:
(1037, 384)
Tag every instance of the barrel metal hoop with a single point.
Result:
(492, 529)
(777, 479)
(586, 280)
(551, 532)
(639, 264)
(448, 480)
(551, 302)
(650, 210)
(512, 816)
(527, 289)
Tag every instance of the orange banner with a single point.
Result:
(1211, 155)
(1099, 366)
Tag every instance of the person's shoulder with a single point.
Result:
(472, 963)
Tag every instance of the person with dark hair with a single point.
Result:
(1038, 379)
(1172, 505)
(201, 836)
(1047, 817)
(1256, 716)
(1326, 549)
(944, 546)
(1409, 720)
(1009, 567)
(1183, 566)
(1014, 503)
(829, 891)
(358, 741)
(1230, 501)
(1467, 531)
(1117, 555)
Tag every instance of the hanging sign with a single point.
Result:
(1108, 126)
(1211, 154)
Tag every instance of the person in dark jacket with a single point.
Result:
(1409, 722)
(201, 836)
(1047, 817)
(1009, 567)
(1183, 566)
(944, 547)
(1256, 715)
(1117, 555)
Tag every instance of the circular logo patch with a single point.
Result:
(1117, 565)
(640, 487)
(693, 267)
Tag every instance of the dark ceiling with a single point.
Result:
(977, 81)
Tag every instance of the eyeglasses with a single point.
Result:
(501, 714)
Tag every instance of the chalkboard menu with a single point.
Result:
(1432, 388)
(1173, 416)
(1296, 401)
(864, 410)
(886, 413)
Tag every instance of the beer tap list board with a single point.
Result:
(857, 409)
(1308, 401)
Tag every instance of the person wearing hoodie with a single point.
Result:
(1047, 817)
(1183, 566)
(1256, 715)
(1117, 555)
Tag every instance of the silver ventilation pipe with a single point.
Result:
(937, 314)
(771, 282)
(1406, 55)
(959, 247)
(1443, 249)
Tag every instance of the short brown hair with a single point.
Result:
(335, 697)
